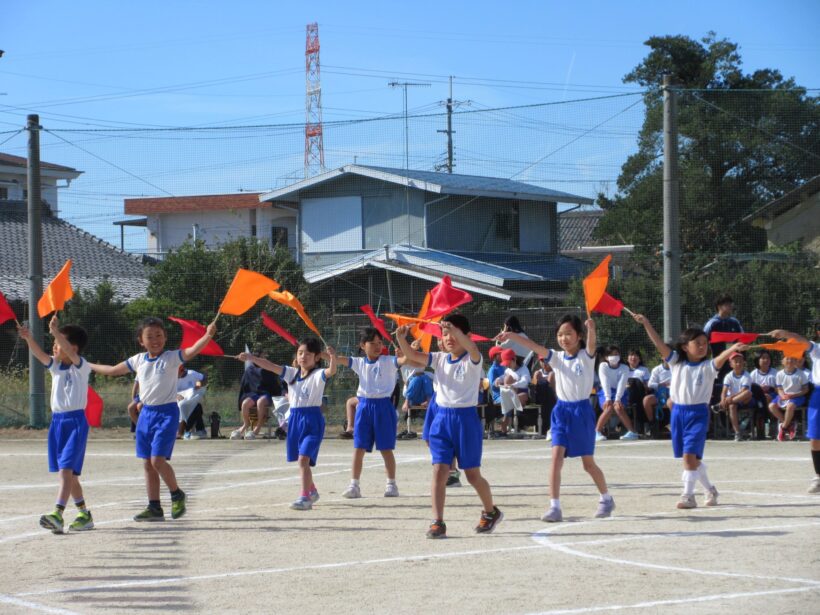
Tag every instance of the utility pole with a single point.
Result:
(671, 220)
(450, 104)
(36, 378)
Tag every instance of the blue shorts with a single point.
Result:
(573, 427)
(67, 437)
(689, 425)
(375, 421)
(157, 430)
(782, 403)
(602, 398)
(813, 418)
(256, 397)
(456, 433)
(306, 428)
(429, 415)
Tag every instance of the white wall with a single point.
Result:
(16, 184)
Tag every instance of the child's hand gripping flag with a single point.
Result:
(595, 295)
(57, 293)
(192, 331)
(247, 288)
(6, 313)
(286, 298)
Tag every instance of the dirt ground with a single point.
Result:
(240, 549)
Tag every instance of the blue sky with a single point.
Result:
(183, 63)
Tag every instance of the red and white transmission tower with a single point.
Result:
(314, 147)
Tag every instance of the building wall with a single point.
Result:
(799, 223)
(15, 188)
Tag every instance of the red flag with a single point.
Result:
(94, 408)
(377, 322)
(57, 292)
(435, 330)
(743, 338)
(608, 304)
(191, 332)
(444, 298)
(6, 313)
(271, 324)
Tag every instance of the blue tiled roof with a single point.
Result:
(547, 267)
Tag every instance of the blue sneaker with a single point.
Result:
(302, 503)
(630, 435)
(605, 508)
(314, 496)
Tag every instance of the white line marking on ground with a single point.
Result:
(4, 599)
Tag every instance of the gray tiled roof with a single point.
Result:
(576, 228)
(93, 260)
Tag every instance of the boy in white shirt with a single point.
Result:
(792, 387)
(737, 391)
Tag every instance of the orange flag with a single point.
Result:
(789, 348)
(426, 339)
(286, 298)
(57, 293)
(247, 288)
(595, 295)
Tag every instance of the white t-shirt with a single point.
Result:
(814, 354)
(737, 383)
(613, 379)
(691, 382)
(520, 351)
(660, 376)
(69, 386)
(521, 375)
(455, 381)
(157, 377)
(189, 380)
(767, 379)
(304, 392)
(377, 379)
(641, 373)
(791, 383)
(574, 375)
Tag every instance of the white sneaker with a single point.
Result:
(352, 492)
(599, 437)
(629, 435)
(686, 502)
(815, 485)
(391, 490)
(553, 515)
(236, 434)
(303, 503)
(712, 496)
(194, 436)
(250, 436)
(549, 435)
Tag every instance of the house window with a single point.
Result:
(279, 236)
(4, 193)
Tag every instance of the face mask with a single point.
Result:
(614, 360)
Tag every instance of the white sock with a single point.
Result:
(555, 503)
(391, 481)
(703, 478)
(605, 497)
(689, 478)
(354, 482)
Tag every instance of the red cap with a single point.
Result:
(495, 350)
(736, 354)
(507, 357)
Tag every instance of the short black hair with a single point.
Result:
(459, 321)
(512, 323)
(576, 323)
(151, 321)
(611, 348)
(687, 336)
(369, 334)
(76, 336)
(637, 353)
(722, 300)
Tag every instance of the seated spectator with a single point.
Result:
(544, 382)
(191, 389)
(612, 394)
(513, 385)
(637, 382)
(764, 375)
(257, 390)
(658, 395)
(792, 387)
(737, 391)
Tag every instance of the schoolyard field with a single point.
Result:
(240, 549)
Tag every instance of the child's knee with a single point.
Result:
(473, 475)
(589, 463)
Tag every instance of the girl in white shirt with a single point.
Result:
(612, 394)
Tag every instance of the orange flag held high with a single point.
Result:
(247, 288)
(789, 348)
(286, 298)
(57, 293)
(597, 299)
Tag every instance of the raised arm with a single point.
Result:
(724, 356)
(411, 355)
(191, 352)
(330, 370)
(463, 339)
(260, 362)
(523, 341)
(120, 369)
(41, 355)
(662, 346)
(782, 334)
(592, 337)
(62, 342)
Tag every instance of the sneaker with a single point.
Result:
(314, 496)
(150, 514)
(549, 435)
(738, 437)
(346, 435)
(686, 502)
(815, 485)
(302, 503)
(237, 434)
(454, 480)
(489, 521)
(630, 435)
(52, 521)
(792, 430)
(352, 492)
(280, 434)
(553, 515)
(391, 490)
(716, 408)
(438, 529)
(178, 507)
(186, 435)
(605, 508)
(82, 522)
(781, 433)
(599, 437)
(712, 496)
(250, 436)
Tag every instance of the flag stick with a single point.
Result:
(628, 311)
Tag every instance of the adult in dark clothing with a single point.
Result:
(722, 322)
(257, 389)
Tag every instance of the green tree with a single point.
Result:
(745, 138)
